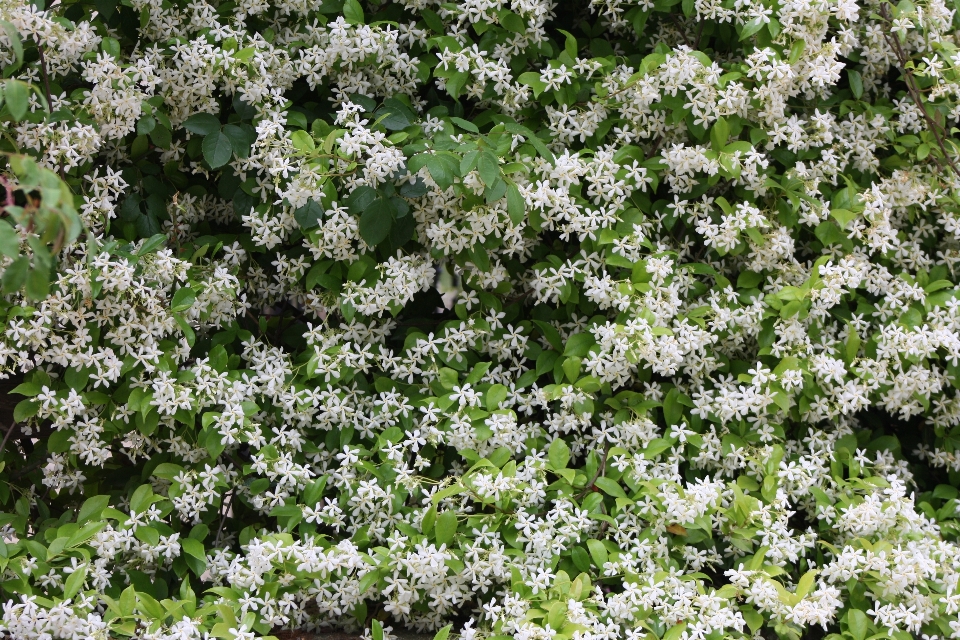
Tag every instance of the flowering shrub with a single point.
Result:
(600, 319)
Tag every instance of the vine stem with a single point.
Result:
(6, 437)
(46, 90)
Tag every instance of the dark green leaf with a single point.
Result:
(856, 83)
(16, 274)
(202, 124)
(361, 198)
(241, 138)
(376, 220)
(489, 167)
(516, 206)
(309, 215)
(217, 149)
(465, 124)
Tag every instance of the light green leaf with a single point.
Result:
(558, 454)
(446, 527)
(353, 14)
(16, 93)
(74, 582)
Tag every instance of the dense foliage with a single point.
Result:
(580, 321)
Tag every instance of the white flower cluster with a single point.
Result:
(422, 312)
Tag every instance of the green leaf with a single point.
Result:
(16, 274)
(369, 579)
(92, 507)
(672, 410)
(656, 447)
(142, 498)
(749, 280)
(753, 618)
(183, 299)
(551, 334)
(395, 115)
(302, 141)
(843, 216)
(187, 330)
(579, 344)
(448, 377)
(674, 632)
(598, 552)
(571, 368)
(719, 134)
(532, 80)
(428, 520)
(202, 124)
(217, 149)
(74, 581)
(796, 51)
(446, 527)
(516, 206)
(857, 624)
(151, 244)
(213, 443)
(443, 633)
(38, 283)
(570, 46)
(495, 395)
(469, 161)
(856, 83)
(241, 137)
(465, 125)
(195, 554)
(489, 167)
(9, 240)
(146, 124)
(361, 198)
(128, 600)
(455, 83)
(512, 22)
(309, 215)
(751, 28)
(806, 580)
(439, 169)
(16, 93)
(443, 494)
(84, 534)
(376, 221)
(610, 487)
(25, 409)
(353, 14)
(558, 454)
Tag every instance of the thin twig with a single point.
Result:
(223, 515)
(7, 436)
(46, 90)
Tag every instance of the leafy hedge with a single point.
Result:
(577, 321)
